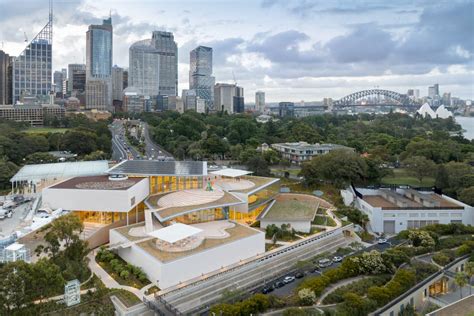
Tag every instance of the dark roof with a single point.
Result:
(97, 183)
(160, 168)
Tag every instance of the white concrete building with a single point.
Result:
(391, 211)
(299, 152)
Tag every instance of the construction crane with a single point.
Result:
(233, 75)
(26, 38)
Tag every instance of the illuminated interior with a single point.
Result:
(172, 183)
(439, 287)
(106, 217)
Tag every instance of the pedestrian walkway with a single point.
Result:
(337, 285)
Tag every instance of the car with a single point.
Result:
(323, 263)
(382, 241)
(288, 279)
(267, 289)
(4, 213)
(278, 285)
(314, 269)
(299, 275)
(337, 259)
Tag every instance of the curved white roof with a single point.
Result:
(443, 113)
(60, 170)
(426, 110)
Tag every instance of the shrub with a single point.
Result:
(124, 274)
(306, 296)
(359, 287)
(119, 268)
(421, 238)
(463, 250)
(395, 257)
(316, 284)
(443, 257)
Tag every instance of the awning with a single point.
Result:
(232, 173)
(175, 232)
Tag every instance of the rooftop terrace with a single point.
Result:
(293, 207)
(97, 183)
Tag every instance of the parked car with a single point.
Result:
(337, 259)
(382, 241)
(288, 279)
(267, 289)
(323, 263)
(278, 285)
(299, 275)
(4, 213)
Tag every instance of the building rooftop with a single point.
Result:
(231, 173)
(172, 204)
(160, 168)
(408, 199)
(97, 183)
(305, 145)
(60, 170)
(175, 232)
(292, 207)
(234, 233)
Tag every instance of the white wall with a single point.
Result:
(180, 270)
(299, 226)
(96, 200)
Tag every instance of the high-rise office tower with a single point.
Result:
(228, 97)
(168, 52)
(433, 91)
(125, 79)
(117, 83)
(153, 65)
(260, 101)
(74, 69)
(32, 70)
(99, 66)
(144, 68)
(200, 74)
(5, 78)
(58, 79)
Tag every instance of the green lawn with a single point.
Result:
(401, 177)
(321, 220)
(36, 130)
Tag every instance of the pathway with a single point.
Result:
(110, 282)
(337, 285)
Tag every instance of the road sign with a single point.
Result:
(72, 293)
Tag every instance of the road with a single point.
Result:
(288, 289)
(121, 149)
(153, 150)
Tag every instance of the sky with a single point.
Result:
(292, 50)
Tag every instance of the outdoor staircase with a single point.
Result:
(90, 229)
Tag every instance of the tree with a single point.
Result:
(469, 270)
(15, 286)
(442, 178)
(7, 170)
(461, 280)
(340, 167)
(467, 195)
(421, 238)
(419, 167)
(46, 278)
(40, 157)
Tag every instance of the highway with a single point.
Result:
(121, 149)
(153, 150)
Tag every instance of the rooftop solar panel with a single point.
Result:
(160, 168)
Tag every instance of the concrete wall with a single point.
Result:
(401, 217)
(172, 272)
(299, 226)
(96, 200)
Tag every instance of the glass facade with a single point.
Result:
(200, 74)
(160, 184)
(106, 217)
(144, 68)
(264, 195)
(168, 51)
(32, 70)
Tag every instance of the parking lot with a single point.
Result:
(14, 223)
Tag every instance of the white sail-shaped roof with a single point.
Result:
(426, 110)
(443, 113)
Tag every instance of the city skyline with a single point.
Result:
(402, 48)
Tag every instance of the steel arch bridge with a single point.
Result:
(398, 98)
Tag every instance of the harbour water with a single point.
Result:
(467, 123)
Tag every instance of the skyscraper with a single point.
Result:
(200, 74)
(153, 65)
(168, 50)
(73, 70)
(58, 79)
(260, 101)
(144, 68)
(117, 83)
(99, 66)
(5, 78)
(228, 97)
(32, 69)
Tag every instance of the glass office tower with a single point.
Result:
(144, 68)
(200, 74)
(168, 52)
(99, 66)
(32, 70)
